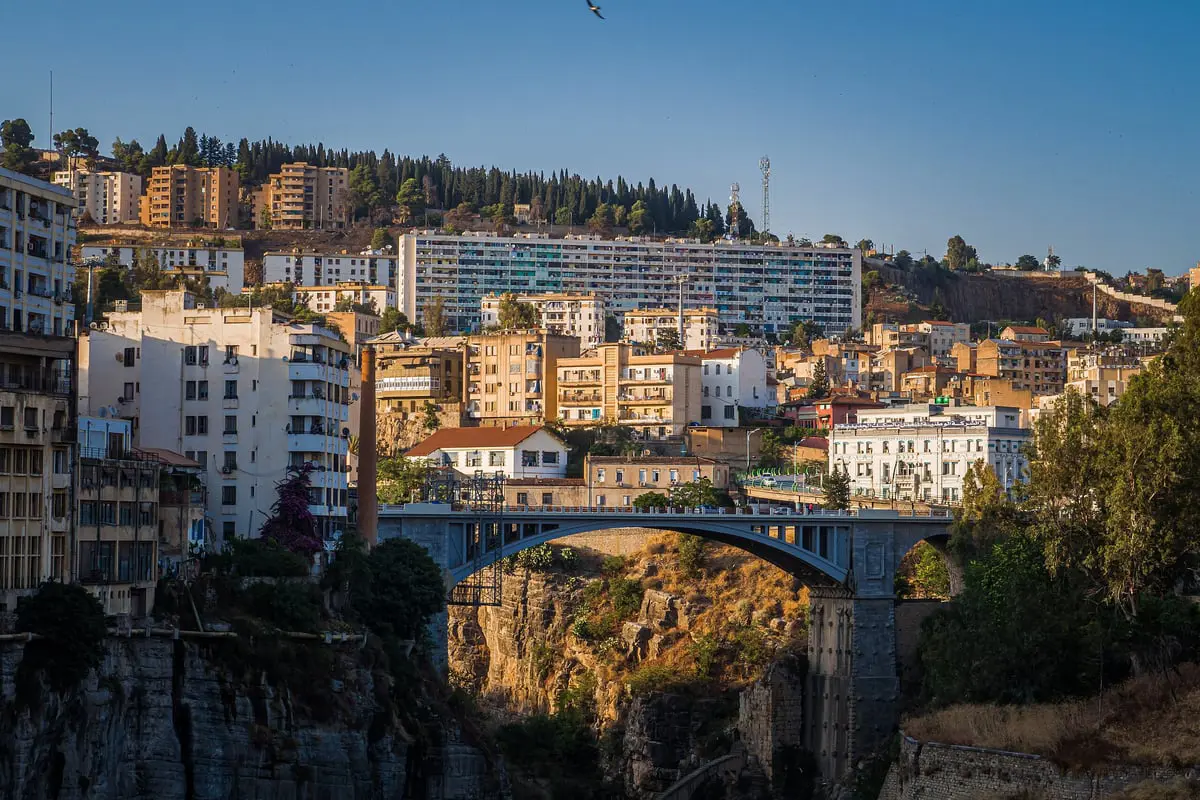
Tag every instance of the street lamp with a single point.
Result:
(750, 433)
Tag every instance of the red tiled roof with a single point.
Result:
(475, 437)
(936, 322)
(1028, 329)
(171, 458)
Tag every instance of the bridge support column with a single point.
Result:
(853, 688)
(434, 536)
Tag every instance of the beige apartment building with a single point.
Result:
(1038, 366)
(180, 196)
(578, 315)
(409, 375)
(357, 328)
(701, 330)
(657, 395)
(37, 451)
(108, 198)
(618, 480)
(302, 197)
(512, 377)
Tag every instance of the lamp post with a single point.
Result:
(750, 433)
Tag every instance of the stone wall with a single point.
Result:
(930, 771)
(771, 712)
(161, 721)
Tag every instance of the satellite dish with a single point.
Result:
(112, 411)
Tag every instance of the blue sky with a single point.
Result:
(1018, 125)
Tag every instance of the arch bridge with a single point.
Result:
(848, 559)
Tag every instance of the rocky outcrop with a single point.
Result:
(666, 736)
(161, 719)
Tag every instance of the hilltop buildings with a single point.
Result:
(106, 198)
(37, 232)
(181, 196)
(578, 315)
(221, 261)
(304, 197)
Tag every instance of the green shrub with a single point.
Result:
(651, 677)
(626, 596)
(287, 606)
(612, 566)
(750, 645)
(401, 590)
(538, 558)
(692, 553)
(71, 624)
(264, 558)
(568, 559)
(704, 651)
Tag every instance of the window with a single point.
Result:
(60, 462)
(230, 423)
(706, 391)
(202, 390)
(522, 498)
(125, 514)
(227, 530)
(231, 390)
(549, 457)
(7, 415)
(35, 462)
(654, 477)
(108, 513)
(547, 498)
(189, 426)
(202, 353)
(529, 458)
(600, 500)
(620, 476)
(674, 475)
(706, 411)
(189, 355)
(128, 359)
(730, 411)
(31, 419)
(127, 392)
(600, 476)
(496, 458)
(231, 353)
(229, 495)
(189, 390)
(230, 460)
(202, 426)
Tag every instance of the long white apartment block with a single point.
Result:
(766, 286)
(329, 269)
(248, 393)
(578, 315)
(222, 264)
(923, 451)
(109, 198)
(37, 232)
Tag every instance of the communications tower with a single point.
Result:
(764, 164)
(735, 206)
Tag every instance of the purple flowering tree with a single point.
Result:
(291, 523)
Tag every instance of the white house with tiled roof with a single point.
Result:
(525, 451)
(731, 377)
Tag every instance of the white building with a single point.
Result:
(1078, 327)
(523, 451)
(1147, 336)
(923, 451)
(701, 326)
(109, 198)
(578, 315)
(37, 232)
(328, 269)
(224, 264)
(944, 335)
(729, 378)
(769, 287)
(248, 393)
(323, 299)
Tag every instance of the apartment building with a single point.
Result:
(356, 327)
(1102, 375)
(1040, 366)
(183, 530)
(116, 532)
(618, 480)
(37, 232)
(769, 287)
(512, 377)
(221, 261)
(248, 393)
(657, 395)
(731, 378)
(578, 315)
(1025, 333)
(37, 452)
(891, 334)
(927, 382)
(1079, 327)
(181, 196)
(303, 197)
(322, 299)
(982, 390)
(888, 367)
(520, 451)
(701, 328)
(941, 336)
(329, 269)
(107, 198)
(923, 451)
(410, 375)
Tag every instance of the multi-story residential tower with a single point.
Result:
(248, 393)
(578, 315)
(511, 377)
(329, 269)
(1040, 366)
(108, 198)
(922, 452)
(303, 197)
(767, 286)
(37, 452)
(37, 232)
(409, 375)
(180, 196)
(701, 328)
(219, 259)
(657, 395)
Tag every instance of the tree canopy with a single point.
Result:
(515, 315)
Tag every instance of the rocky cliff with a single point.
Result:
(171, 720)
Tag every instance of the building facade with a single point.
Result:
(1040, 366)
(520, 451)
(923, 452)
(512, 377)
(578, 315)
(656, 395)
(37, 232)
(222, 263)
(941, 336)
(181, 196)
(323, 299)
(108, 198)
(701, 328)
(328, 269)
(303, 197)
(409, 376)
(766, 286)
(618, 480)
(731, 379)
(37, 461)
(248, 393)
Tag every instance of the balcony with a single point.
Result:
(317, 371)
(645, 398)
(580, 399)
(580, 379)
(317, 443)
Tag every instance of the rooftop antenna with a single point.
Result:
(734, 205)
(764, 164)
(51, 133)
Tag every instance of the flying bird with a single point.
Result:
(595, 9)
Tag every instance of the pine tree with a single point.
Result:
(837, 490)
(820, 383)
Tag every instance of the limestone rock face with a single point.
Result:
(160, 721)
(660, 609)
(636, 637)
